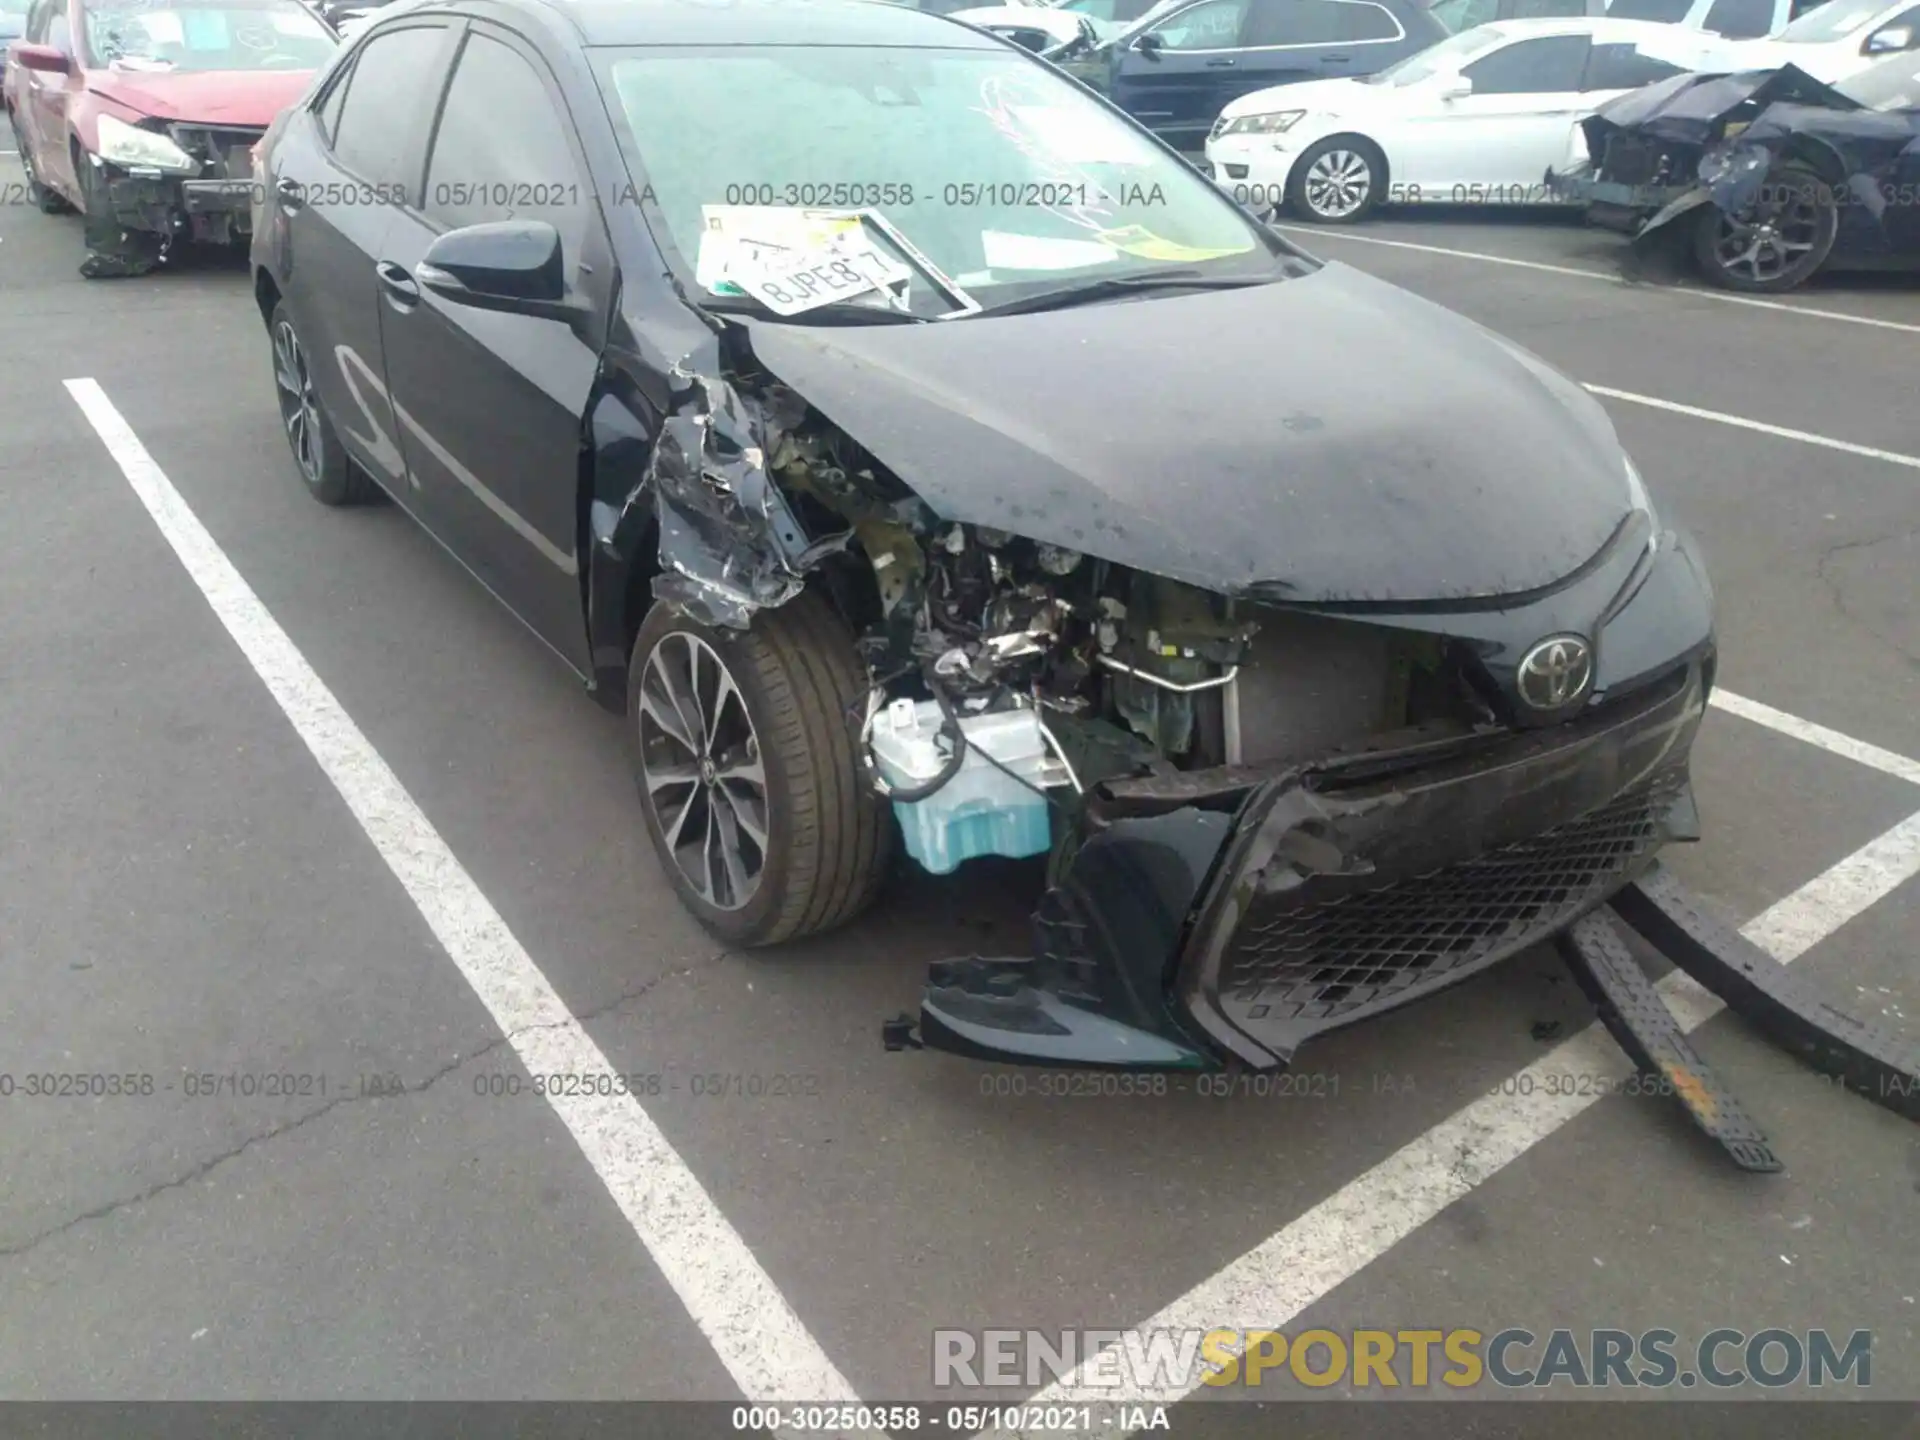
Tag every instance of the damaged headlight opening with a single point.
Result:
(133, 148)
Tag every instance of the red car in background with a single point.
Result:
(142, 114)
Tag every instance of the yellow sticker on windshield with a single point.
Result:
(1142, 242)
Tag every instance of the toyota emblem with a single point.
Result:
(1556, 673)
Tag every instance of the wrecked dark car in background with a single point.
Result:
(928, 456)
(1767, 177)
(141, 115)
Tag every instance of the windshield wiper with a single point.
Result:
(842, 311)
(1112, 286)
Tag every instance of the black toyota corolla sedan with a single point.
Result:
(922, 456)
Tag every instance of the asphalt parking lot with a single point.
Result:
(282, 792)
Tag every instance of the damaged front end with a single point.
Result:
(1266, 815)
(1694, 141)
(201, 189)
(1263, 820)
(1671, 147)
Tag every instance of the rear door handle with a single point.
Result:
(1336, 59)
(401, 288)
(292, 194)
(1225, 62)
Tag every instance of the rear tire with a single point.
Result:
(331, 478)
(1338, 181)
(774, 752)
(1777, 243)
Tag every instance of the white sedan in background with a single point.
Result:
(1476, 119)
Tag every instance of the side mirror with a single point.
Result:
(1149, 45)
(43, 58)
(513, 266)
(1456, 89)
(1889, 40)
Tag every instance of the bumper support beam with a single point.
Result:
(1640, 1021)
(1761, 991)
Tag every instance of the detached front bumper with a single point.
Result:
(1230, 916)
(215, 211)
(1611, 204)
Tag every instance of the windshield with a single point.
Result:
(221, 35)
(1891, 85)
(1444, 55)
(1834, 20)
(1005, 177)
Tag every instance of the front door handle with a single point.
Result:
(1225, 62)
(1336, 59)
(401, 287)
(292, 194)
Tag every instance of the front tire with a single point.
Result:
(1777, 243)
(1338, 181)
(749, 776)
(331, 478)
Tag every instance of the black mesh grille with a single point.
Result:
(1319, 961)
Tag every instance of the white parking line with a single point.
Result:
(1859, 751)
(1272, 1284)
(1580, 272)
(1779, 432)
(759, 1338)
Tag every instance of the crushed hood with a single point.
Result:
(205, 97)
(1321, 439)
(1689, 109)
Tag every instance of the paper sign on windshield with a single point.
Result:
(756, 235)
(793, 282)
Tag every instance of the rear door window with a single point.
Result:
(1294, 22)
(1363, 20)
(1622, 67)
(1666, 12)
(1739, 19)
(1210, 25)
(1547, 66)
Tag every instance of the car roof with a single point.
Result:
(1601, 28)
(731, 22)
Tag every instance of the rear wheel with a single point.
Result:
(745, 754)
(1338, 181)
(1776, 243)
(331, 477)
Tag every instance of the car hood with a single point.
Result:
(1689, 109)
(1328, 438)
(208, 97)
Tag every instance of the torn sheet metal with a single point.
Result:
(730, 544)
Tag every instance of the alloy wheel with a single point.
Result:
(1338, 183)
(1761, 248)
(299, 405)
(701, 764)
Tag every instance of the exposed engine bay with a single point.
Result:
(1116, 671)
